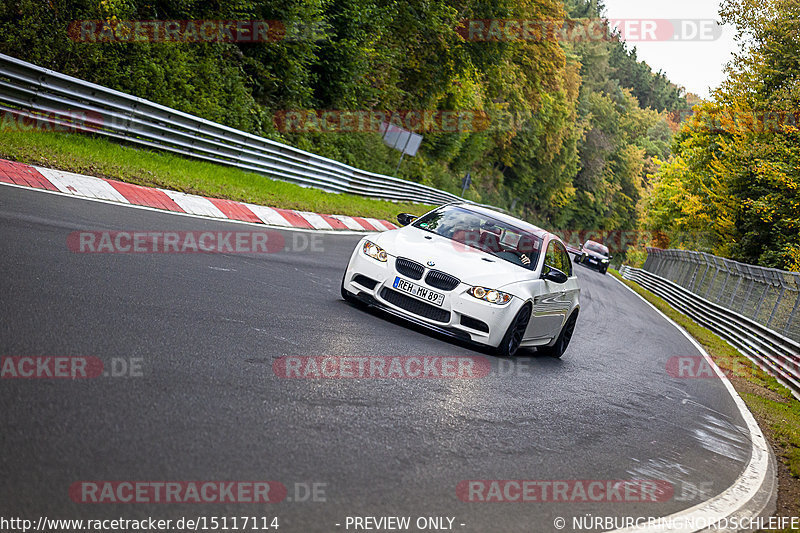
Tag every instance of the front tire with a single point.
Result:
(515, 332)
(347, 295)
(560, 346)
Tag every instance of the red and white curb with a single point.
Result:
(178, 202)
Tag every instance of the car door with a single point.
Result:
(551, 304)
(571, 289)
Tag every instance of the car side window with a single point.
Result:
(557, 257)
(551, 258)
(565, 261)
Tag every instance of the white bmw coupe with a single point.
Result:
(472, 273)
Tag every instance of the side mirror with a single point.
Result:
(404, 219)
(610, 257)
(554, 275)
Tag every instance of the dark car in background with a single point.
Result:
(595, 255)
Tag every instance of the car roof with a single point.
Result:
(597, 243)
(514, 221)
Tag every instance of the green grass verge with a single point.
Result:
(97, 156)
(772, 404)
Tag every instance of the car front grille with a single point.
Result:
(442, 280)
(412, 305)
(409, 268)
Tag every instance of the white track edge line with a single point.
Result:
(749, 482)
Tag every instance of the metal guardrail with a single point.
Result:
(771, 351)
(768, 296)
(38, 93)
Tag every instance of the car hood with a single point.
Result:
(468, 264)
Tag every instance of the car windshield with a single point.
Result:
(595, 247)
(485, 233)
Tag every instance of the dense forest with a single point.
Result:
(574, 127)
(579, 134)
(732, 186)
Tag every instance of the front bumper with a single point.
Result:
(592, 261)
(460, 315)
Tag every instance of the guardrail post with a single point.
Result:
(724, 283)
(661, 263)
(698, 285)
(761, 299)
(694, 267)
(686, 271)
(796, 304)
(733, 294)
(680, 268)
(714, 278)
(670, 264)
(777, 303)
(665, 271)
(749, 288)
(130, 113)
(647, 262)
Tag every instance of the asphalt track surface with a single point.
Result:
(208, 406)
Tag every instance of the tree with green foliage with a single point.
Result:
(574, 127)
(732, 187)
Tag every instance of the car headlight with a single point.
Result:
(374, 251)
(489, 295)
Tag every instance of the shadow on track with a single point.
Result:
(526, 353)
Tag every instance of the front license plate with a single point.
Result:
(418, 292)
